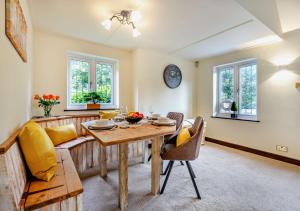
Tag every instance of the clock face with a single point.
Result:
(172, 76)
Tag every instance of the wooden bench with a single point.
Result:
(87, 154)
(65, 188)
(82, 157)
(20, 191)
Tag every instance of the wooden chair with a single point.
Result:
(172, 138)
(186, 152)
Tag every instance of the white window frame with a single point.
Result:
(236, 68)
(93, 61)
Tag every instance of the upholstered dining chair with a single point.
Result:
(186, 152)
(172, 138)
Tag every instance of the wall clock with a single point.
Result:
(172, 76)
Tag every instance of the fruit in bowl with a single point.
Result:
(134, 117)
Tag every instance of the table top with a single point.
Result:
(135, 133)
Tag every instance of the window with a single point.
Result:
(236, 82)
(91, 73)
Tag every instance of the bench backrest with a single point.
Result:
(13, 176)
(65, 120)
(12, 173)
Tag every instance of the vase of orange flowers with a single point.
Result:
(47, 102)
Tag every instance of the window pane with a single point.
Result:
(104, 74)
(79, 80)
(248, 84)
(226, 89)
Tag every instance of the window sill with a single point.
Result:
(247, 119)
(84, 109)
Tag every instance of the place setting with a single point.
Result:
(164, 121)
(102, 124)
(131, 119)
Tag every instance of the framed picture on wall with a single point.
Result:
(16, 27)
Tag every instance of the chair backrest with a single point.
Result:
(197, 131)
(178, 117)
(189, 150)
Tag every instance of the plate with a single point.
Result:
(169, 123)
(151, 118)
(102, 127)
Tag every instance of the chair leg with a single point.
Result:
(167, 168)
(193, 179)
(149, 158)
(192, 170)
(181, 163)
(167, 177)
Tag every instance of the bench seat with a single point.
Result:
(62, 190)
(76, 142)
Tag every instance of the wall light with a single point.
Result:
(283, 78)
(128, 17)
(284, 59)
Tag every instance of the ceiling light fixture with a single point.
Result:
(128, 17)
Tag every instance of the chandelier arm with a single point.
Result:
(132, 24)
(120, 19)
(124, 17)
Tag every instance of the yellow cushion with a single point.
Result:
(38, 151)
(62, 134)
(108, 114)
(183, 137)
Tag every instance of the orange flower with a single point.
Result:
(51, 97)
(36, 97)
(45, 97)
(56, 97)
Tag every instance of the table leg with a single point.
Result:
(103, 162)
(123, 176)
(155, 165)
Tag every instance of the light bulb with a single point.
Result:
(107, 24)
(135, 16)
(135, 32)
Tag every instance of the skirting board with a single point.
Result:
(255, 151)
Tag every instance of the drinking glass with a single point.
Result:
(151, 111)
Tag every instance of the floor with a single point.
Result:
(228, 179)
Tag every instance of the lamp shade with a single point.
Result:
(107, 24)
(135, 32)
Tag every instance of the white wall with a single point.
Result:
(149, 86)
(140, 71)
(278, 99)
(15, 78)
(50, 67)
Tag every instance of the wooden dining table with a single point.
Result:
(122, 137)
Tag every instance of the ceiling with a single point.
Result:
(193, 29)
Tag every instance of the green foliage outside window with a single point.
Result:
(227, 85)
(80, 81)
(247, 88)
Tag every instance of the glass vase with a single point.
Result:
(47, 111)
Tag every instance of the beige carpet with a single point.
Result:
(228, 179)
